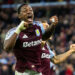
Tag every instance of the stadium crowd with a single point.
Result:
(30, 1)
(64, 35)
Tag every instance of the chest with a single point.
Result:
(30, 37)
(32, 33)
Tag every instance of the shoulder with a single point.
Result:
(38, 23)
(12, 29)
(10, 33)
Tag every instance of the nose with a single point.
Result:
(29, 12)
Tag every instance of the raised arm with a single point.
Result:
(62, 57)
(11, 36)
(49, 31)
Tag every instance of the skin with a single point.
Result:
(50, 28)
(25, 11)
(61, 57)
(26, 14)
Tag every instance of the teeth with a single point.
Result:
(30, 16)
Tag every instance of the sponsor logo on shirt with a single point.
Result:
(45, 55)
(32, 43)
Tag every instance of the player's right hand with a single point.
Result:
(23, 25)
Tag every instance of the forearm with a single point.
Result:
(9, 44)
(62, 57)
(48, 32)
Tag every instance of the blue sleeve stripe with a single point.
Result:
(51, 52)
(42, 28)
(38, 23)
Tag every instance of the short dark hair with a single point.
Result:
(19, 8)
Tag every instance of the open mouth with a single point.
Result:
(30, 16)
(30, 19)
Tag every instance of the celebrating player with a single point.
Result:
(25, 40)
(48, 55)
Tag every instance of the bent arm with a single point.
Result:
(11, 36)
(9, 43)
(62, 57)
(48, 32)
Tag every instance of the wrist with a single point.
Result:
(54, 24)
(17, 31)
(72, 51)
(20, 27)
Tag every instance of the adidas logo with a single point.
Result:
(43, 48)
(25, 36)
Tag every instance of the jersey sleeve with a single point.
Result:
(10, 33)
(52, 65)
(38, 23)
(51, 52)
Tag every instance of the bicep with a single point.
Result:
(7, 39)
(9, 34)
(5, 43)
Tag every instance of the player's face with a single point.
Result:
(26, 14)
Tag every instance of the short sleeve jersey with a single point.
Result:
(47, 54)
(28, 47)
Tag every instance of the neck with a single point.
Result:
(30, 25)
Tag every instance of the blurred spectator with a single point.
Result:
(5, 70)
(13, 69)
(64, 34)
(29, 1)
(11, 58)
(3, 60)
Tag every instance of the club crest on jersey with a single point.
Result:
(37, 32)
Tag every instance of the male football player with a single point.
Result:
(25, 40)
(48, 55)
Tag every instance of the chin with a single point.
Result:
(31, 22)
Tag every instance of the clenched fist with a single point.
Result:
(23, 25)
(54, 20)
(72, 47)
